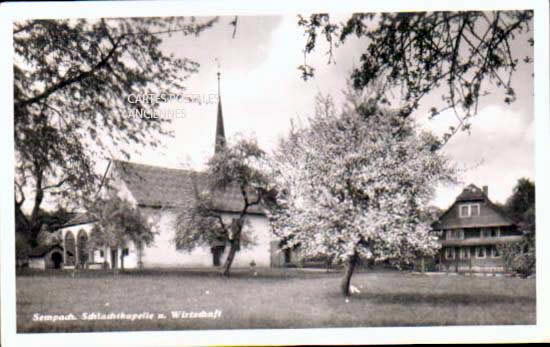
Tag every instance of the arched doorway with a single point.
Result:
(57, 260)
(70, 249)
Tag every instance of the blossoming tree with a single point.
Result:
(353, 184)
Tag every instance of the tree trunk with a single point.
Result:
(234, 241)
(350, 266)
(33, 234)
(230, 257)
(34, 219)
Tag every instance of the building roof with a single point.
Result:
(40, 251)
(472, 193)
(492, 216)
(78, 219)
(154, 186)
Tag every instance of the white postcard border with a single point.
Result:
(538, 332)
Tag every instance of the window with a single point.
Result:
(469, 210)
(473, 233)
(465, 253)
(480, 252)
(488, 233)
(455, 234)
(101, 254)
(125, 251)
(494, 252)
(449, 253)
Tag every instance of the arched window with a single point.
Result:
(82, 245)
(70, 249)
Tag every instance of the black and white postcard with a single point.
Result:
(232, 173)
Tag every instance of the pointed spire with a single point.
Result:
(220, 131)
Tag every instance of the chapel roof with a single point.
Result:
(154, 186)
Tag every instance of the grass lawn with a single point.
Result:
(274, 298)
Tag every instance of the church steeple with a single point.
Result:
(220, 131)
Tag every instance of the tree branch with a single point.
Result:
(19, 214)
(67, 82)
(57, 185)
(25, 27)
(20, 188)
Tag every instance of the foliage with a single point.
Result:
(203, 225)
(72, 78)
(50, 221)
(354, 184)
(117, 224)
(237, 168)
(22, 251)
(520, 257)
(56, 218)
(46, 237)
(459, 55)
(520, 206)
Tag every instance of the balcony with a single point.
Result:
(479, 241)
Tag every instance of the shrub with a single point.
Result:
(520, 257)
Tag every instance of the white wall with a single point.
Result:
(163, 252)
(130, 261)
(260, 253)
(37, 263)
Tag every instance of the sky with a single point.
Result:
(262, 90)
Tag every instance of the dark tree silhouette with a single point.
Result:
(521, 257)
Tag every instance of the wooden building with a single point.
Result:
(471, 230)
